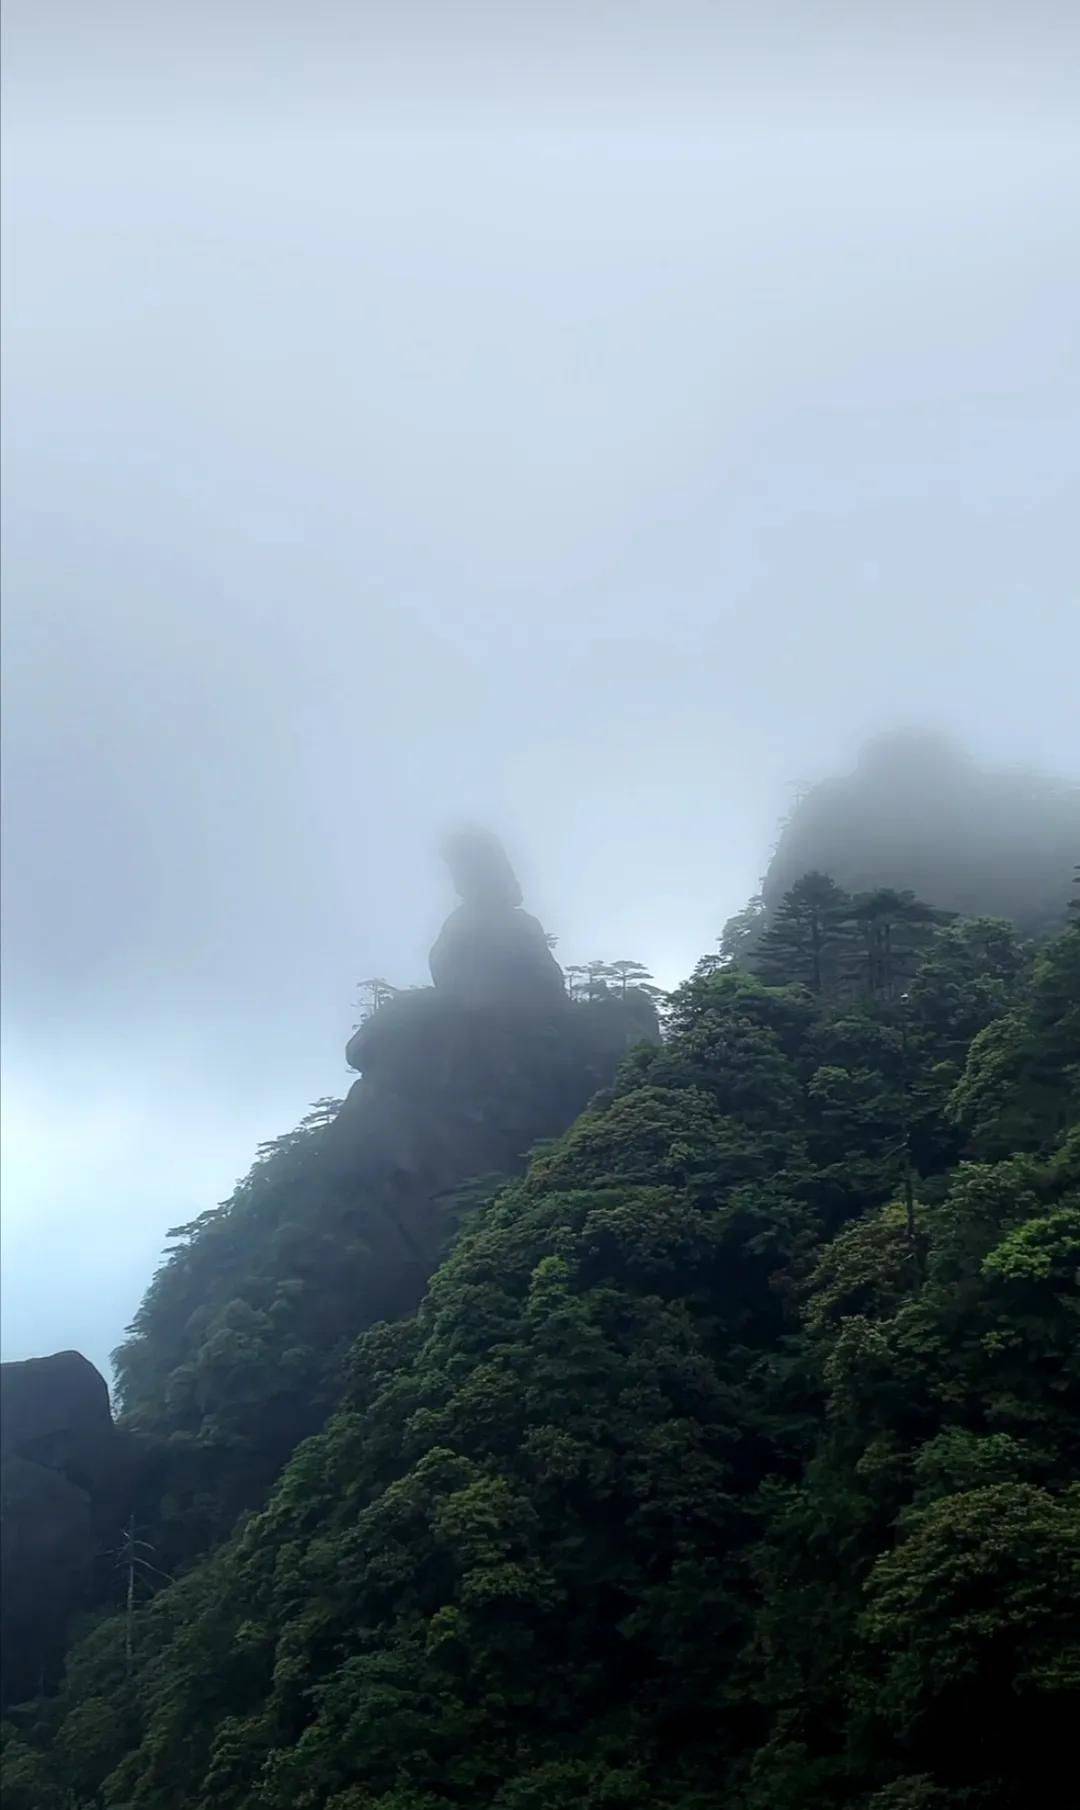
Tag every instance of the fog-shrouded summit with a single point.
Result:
(584, 420)
(918, 812)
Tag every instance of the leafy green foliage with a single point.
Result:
(711, 1468)
(232, 1357)
(237, 1352)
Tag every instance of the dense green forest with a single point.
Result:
(731, 1458)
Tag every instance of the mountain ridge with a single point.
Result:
(732, 1446)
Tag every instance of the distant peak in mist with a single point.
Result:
(911, 749)
(918, 810)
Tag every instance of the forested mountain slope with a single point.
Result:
(238, 1350)
(732, 1456)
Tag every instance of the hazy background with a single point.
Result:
(592, 418)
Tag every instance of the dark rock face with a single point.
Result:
(48, 1550)
(55, 1411)
(491, 955)
(62, 1481)
(454, 1089)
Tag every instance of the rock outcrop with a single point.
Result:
(462, 1078)
(54, 1411)
(63, 1480)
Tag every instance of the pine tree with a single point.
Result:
(894, 927)
(322, 1112)
(808, 932)
(597, 976)
(373, 994)
(575, 977)
(630, 974)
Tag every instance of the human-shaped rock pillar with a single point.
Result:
(489, 951)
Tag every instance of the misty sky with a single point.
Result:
(588, 418)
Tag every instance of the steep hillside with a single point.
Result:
(732, 1456)
(237, 1352)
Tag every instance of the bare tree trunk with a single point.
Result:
(129, 1613)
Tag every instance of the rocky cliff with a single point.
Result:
(64, 1477)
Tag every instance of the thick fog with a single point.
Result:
(587, 419)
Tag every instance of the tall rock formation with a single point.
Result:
(63, 1484)
(460, 1079)
(489, 951)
